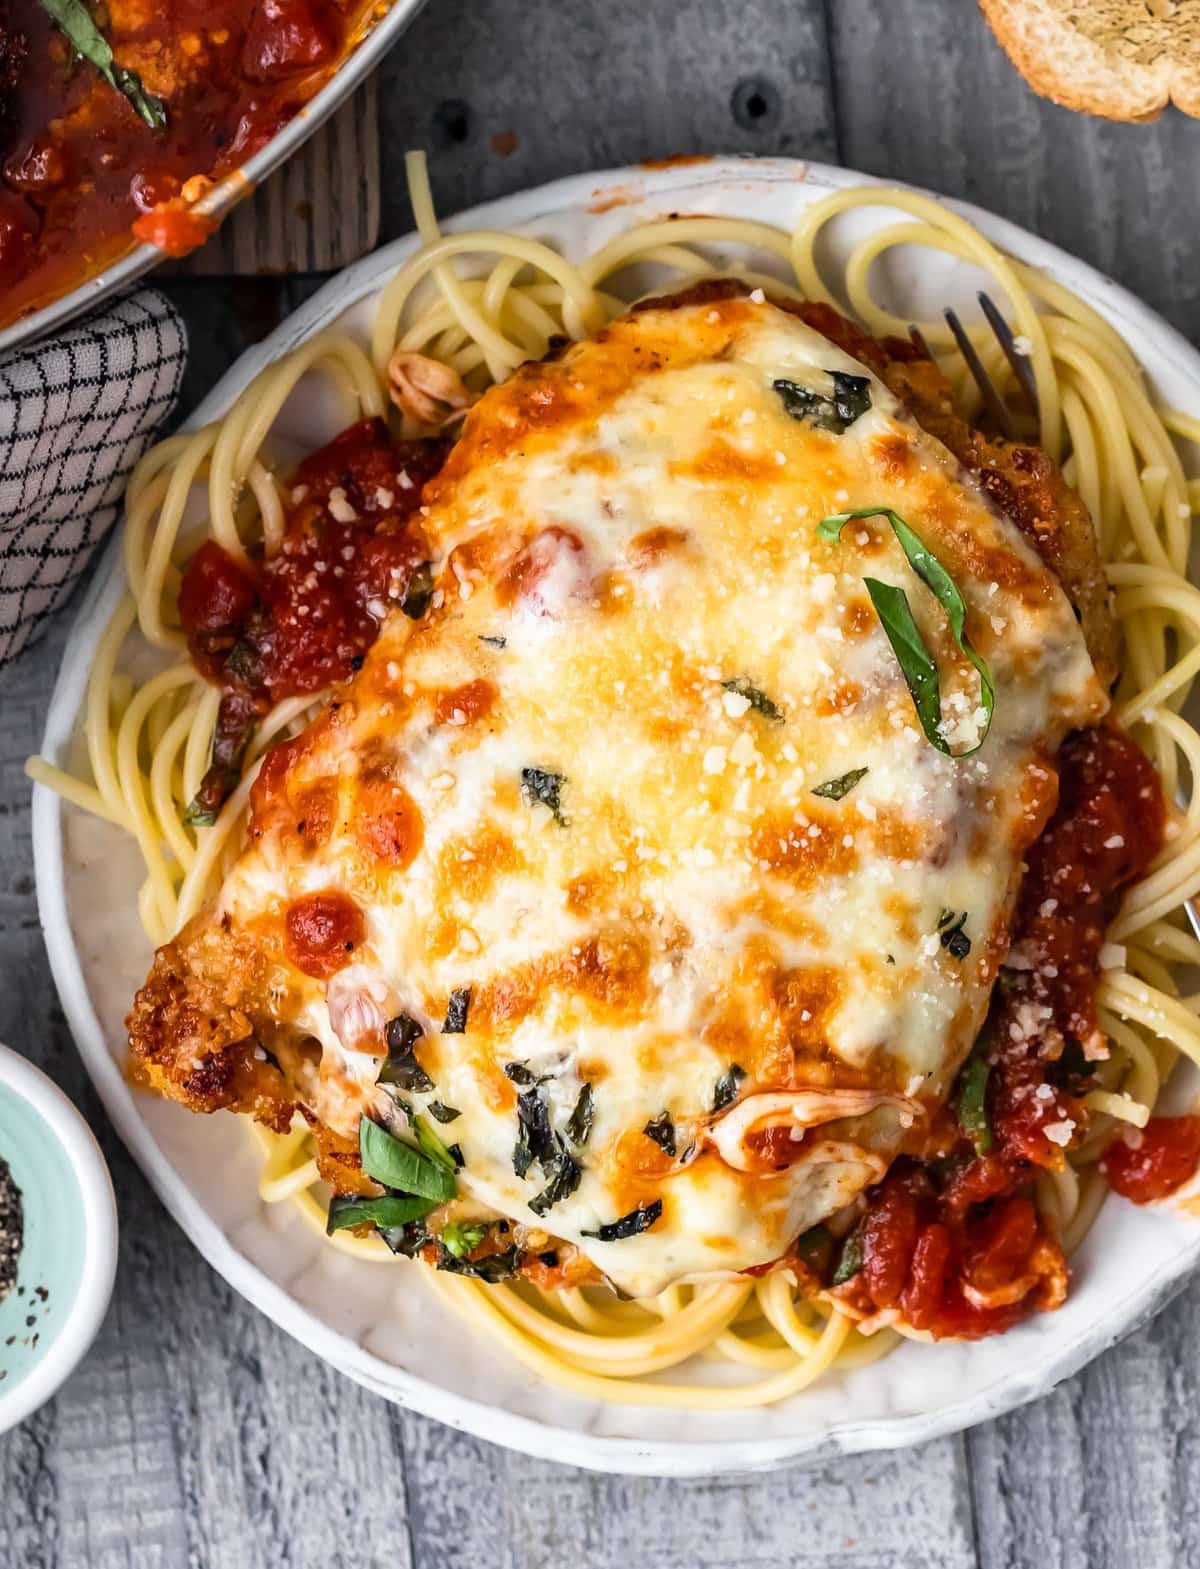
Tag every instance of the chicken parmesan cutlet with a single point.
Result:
(633, 906)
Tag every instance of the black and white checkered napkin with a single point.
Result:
(76, 413)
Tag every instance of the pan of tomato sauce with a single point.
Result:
(92, 196)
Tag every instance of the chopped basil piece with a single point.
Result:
(917, 664)
(726, 1089)
(542, 786)
(388, 1211)
(953, 938)
(850, 400)
(564, 1173)
(758, 700)
(400, 1167)
(523, 1149)
(492, 1269)
(433, 1146)
(75, 22)
(519, 1073)
(534, 1138)
(402, 1068)
(972, 1102)
(580, 1125)
(442, 1112)
(637, 1220)
(851, 1260)
(814, 1247)
(493, 642)
(418, 592)
(456, 1011)
(246, 663)
(662, 1130)
(460, 1239)
(406, 1241)
(837, 789)
(456, 1155)
(197, 816)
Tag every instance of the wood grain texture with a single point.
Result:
(195, 1433)
(320, 211)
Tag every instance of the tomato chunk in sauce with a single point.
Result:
(953, 1244)
(302, 619)
(322, 932)
(1152, 1162)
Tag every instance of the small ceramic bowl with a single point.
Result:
(69, 1254)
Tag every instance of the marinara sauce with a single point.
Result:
(954, 1244)
(303, 619)
(82, 175)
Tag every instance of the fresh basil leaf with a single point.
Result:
(418, 592)
(972, 1102)
(398, 1166)
(725, 1092)
(837, 789)
(542, 786)
(952, 934)
(198, 816)
(637, 1220)
(442, 1112)
(432, 1146)
(564, 1174)
(457, 1010)
(851, 1260)
(895, 614)
(850, 400)
(387, 1211)
(492, 1269)
(758, 700)
(461, 1239)
(402, 1068)
(580, 1124)
(662, 1130)
(74, 21)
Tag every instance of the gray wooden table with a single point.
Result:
(196, 1433)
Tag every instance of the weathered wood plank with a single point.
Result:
(507, 95)
(472, 1504)
(925, 94)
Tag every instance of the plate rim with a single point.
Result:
(542, 1438)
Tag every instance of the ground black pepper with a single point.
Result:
(12, 1229)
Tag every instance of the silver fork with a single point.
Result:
(1021, 366)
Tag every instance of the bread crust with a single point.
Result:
(1128, 64)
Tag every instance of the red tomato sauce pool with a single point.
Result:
(304, 618)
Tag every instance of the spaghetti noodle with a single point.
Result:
(148, 747)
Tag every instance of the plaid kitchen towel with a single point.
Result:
(76, 413)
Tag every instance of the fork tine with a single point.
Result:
(917, 338)
(1022, 369)
(995, 403)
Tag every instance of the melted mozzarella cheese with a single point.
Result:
(633, 601)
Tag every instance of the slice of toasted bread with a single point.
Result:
(1123, 59)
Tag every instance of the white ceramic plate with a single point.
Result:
(379, 1322)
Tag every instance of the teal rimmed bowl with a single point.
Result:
(69, 1254)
